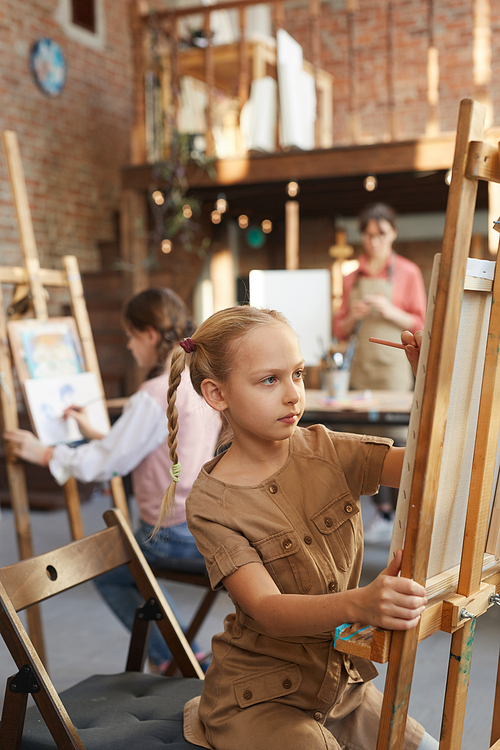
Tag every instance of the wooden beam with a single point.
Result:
(421, 155)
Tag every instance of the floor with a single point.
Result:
(83, 637)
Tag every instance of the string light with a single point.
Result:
(221, 204)
(370, 183)
(216, 217)
(292, 189)
(166, 246)
(158, 197)
(243, 221)
(267, 226)
(187, 211)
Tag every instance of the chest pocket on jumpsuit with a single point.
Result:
(336, 522)
(285, 561)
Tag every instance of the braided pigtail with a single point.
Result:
(177, 367)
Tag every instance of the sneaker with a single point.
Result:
(379, 530)
(201, 657)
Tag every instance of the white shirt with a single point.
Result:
(137, 443)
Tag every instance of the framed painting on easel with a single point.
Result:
(45, 348)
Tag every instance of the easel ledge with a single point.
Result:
(443, 612)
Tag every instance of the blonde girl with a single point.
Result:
(277, 518)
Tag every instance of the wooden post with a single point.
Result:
(278, 13)
(243, 72)
(457, 685)
(292, 234)
(481, 56)
(495, 724)
(432, 125)
(174, 69)
(210, 79)
(24, 222)
(315, 54)
(138, 141)
(222, 276)
(16, 476)
(80, 313)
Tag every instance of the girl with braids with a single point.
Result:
(155, 320)
(277, 518)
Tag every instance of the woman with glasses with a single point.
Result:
(384, 296)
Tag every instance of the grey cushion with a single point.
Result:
(129, 711)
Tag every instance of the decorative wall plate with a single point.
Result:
(48, 66)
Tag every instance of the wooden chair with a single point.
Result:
(127, 711)
(195, 573)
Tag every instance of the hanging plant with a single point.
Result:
(174, 211)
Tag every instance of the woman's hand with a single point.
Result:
(390, 601)
(388, 311)
(85, 427)
(413, 344)
(25, 445)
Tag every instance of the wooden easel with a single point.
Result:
(455, 611)
(36, 279)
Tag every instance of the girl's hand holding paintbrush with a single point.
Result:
(411, 343)
(79, 414)
(24, 444)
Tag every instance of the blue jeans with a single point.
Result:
(118, 588)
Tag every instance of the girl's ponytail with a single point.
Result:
(177, 366)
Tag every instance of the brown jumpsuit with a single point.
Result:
(304, 525)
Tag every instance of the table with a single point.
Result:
(360, 407)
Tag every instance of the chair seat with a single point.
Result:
(128, 711)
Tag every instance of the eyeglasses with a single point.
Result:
(375, 237)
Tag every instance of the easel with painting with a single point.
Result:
(449, 500)
(75, 348)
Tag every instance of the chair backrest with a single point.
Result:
(38, 578)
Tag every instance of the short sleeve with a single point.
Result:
(218, 538)
(362, 459)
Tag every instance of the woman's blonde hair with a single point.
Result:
(214, 357)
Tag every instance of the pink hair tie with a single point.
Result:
(188, 345)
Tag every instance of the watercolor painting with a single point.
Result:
(48, 398)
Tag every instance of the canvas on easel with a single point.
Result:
(473, 587)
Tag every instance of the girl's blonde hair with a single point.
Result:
(214, 358)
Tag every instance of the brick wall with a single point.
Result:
(359, 42)
(72, 146)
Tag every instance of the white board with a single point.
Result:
(304, 298)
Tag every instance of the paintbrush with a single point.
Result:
(387, 343)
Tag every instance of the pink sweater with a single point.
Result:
(199, 428)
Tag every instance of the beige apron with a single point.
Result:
(374, 366)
